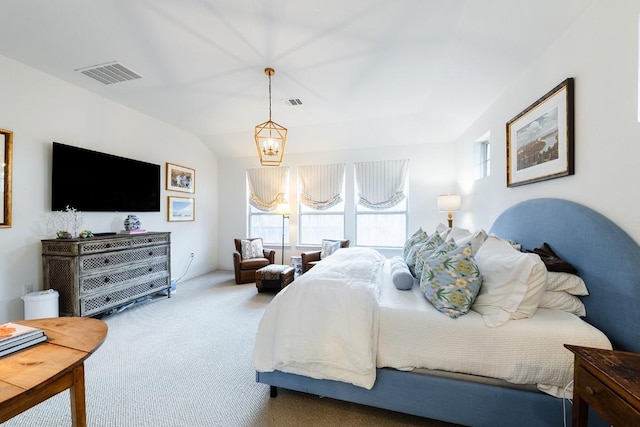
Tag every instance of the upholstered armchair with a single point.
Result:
(311, 258)
(245, 268)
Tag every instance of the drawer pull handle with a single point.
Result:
(108, 245)
(107, 299)
(150, 253)
(590, 391)
(106, 261)
(106, 280)
(150, 269)
(151, 285)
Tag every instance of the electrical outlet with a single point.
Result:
(192, 255)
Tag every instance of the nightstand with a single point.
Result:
(609, 381)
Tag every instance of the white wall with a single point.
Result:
(40, 109)
(601, 52)
(431, 172)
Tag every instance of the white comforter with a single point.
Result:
(325, 324)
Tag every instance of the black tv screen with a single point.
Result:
(91, 181)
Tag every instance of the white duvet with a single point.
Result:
(325, 324)
(344, 318)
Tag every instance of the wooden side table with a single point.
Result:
(32, 375)
(609, 381)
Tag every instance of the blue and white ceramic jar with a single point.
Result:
(132, 222)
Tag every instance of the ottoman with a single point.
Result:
(274, 277)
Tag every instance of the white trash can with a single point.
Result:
(42, 304)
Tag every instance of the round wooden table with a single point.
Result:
(30, 376)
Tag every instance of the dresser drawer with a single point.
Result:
(109, 260)
(90, 305)
(598, 395)
(112, 278)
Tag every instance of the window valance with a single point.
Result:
(321, 185)
(381, 184)
(267, 187)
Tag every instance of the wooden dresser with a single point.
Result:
(609, 381)
(98, 274)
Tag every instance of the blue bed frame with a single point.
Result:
(606, 258)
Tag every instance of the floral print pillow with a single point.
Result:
(451, 280)
(434, 244)
(252, 249)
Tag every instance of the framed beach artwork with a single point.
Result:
(540, 140)
(181, 208)
(181, 178)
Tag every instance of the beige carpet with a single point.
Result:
(187, 361)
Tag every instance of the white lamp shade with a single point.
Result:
(283, 209)
(449, 203)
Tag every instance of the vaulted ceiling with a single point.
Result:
(368, 72)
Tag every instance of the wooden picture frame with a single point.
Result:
(6, 160)
(181, 208)
(181, 178)
(540, 140)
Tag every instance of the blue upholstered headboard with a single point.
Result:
(606, 257)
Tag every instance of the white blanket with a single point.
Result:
(325, 324)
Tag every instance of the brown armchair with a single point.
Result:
(245, 269)
(311, 258)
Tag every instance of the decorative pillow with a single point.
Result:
(400, 274)
(419, 236)
(566, 282)
(563, 301)
(553, 261)
(508, 276)
(424, 251)
(451, 281)
(252, 249)
(329, 247)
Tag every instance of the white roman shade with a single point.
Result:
(267, 187)
(381, 184)
(321, 185)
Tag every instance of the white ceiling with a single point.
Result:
(362, 68)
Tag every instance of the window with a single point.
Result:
(266, 188)
(321, 207)
(482, 149)
(381, 210)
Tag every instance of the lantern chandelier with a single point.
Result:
(270, 136)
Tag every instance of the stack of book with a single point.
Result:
(14, 337)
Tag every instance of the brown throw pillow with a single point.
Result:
(552, 261)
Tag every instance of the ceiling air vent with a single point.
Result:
(112, 72)
(292, 101)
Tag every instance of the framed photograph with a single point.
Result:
(180, 178)
(181, 208)
(540, 140)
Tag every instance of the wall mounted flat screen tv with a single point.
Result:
(90, 181)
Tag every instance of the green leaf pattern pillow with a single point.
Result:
(427, 249)
(418, 237)
(451, 280)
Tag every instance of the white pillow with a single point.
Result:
(442, 230)
(252, 249)
(476, 239)
(458, 233)
(557, 281)
(512, 282)
(563, 301)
